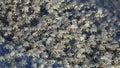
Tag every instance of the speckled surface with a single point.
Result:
(59, 34)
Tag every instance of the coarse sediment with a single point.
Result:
(58, 33)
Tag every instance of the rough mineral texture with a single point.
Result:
(59, 34)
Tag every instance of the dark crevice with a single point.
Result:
(28, 48)
(69, 10)
(4, 21)
(34, 22)
(8, 37)
(117, 36)
(72, 42)
(31, 11)
(43, 10)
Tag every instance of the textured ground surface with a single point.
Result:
(59, 34)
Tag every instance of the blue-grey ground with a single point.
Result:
(59, 34)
